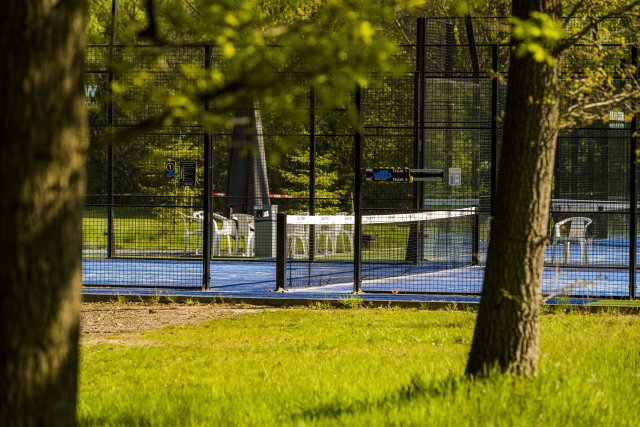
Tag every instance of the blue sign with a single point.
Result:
(170, 170)
(382, 175)
(401, 175)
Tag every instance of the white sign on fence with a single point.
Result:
(455, 176)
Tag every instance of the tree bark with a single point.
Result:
(506, 336)
(42, 153)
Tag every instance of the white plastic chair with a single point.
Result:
(573, 229)
(334, 233)
(226, 228)
(245, 230)
(298, 233)
(345, 235)
(191, 230)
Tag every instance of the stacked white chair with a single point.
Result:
(192, 227)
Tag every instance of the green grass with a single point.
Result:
(133, 233)
(149, 232)
(357, 367)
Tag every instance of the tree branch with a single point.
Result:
(589, 110)
(150, 32)
(616, 13)
(573, 13)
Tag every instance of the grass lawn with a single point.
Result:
(369, 367)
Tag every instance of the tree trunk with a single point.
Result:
(507, 329)
(42, 152)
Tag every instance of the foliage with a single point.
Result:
(536, 36)
(599, 81)
(335, 44)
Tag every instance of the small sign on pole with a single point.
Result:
(388, 174)
(402, 175)
(616, 119)
(455, 176)
(170, 169)
(188, 173)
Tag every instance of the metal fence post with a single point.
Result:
(475, 250)
(415, 243)
(207, 191)
(357, 202)
(111, 123)
(495, 64)
(418, 113)
(633, 197)
(281, 251)
(312, 171)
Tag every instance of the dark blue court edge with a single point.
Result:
(176, 295)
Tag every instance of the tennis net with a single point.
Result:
(398, 250)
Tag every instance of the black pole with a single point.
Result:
(494, 126)
(111, 123)
(312, 151)
(416, 235)
(473, 50)
(475, 249)
(114, 20)
(208, 190)
(312, 170)
(281, 251)
(449, 62)
(418, 113)
(357, 202)
(633, 197)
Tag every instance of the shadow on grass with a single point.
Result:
(417, 388)
(117, 420)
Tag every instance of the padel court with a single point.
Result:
(392, 187)
(336, 278)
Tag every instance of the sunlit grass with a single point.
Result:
(357, 367)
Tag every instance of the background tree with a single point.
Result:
(506, 336)
(297, 181)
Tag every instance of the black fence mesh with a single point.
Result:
(144, 217)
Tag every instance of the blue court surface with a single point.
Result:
(170, 273)
(257, 280)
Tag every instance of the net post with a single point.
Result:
(281, 251)
(475, 250)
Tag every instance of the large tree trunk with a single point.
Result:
(507, 329)
(43, 143)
